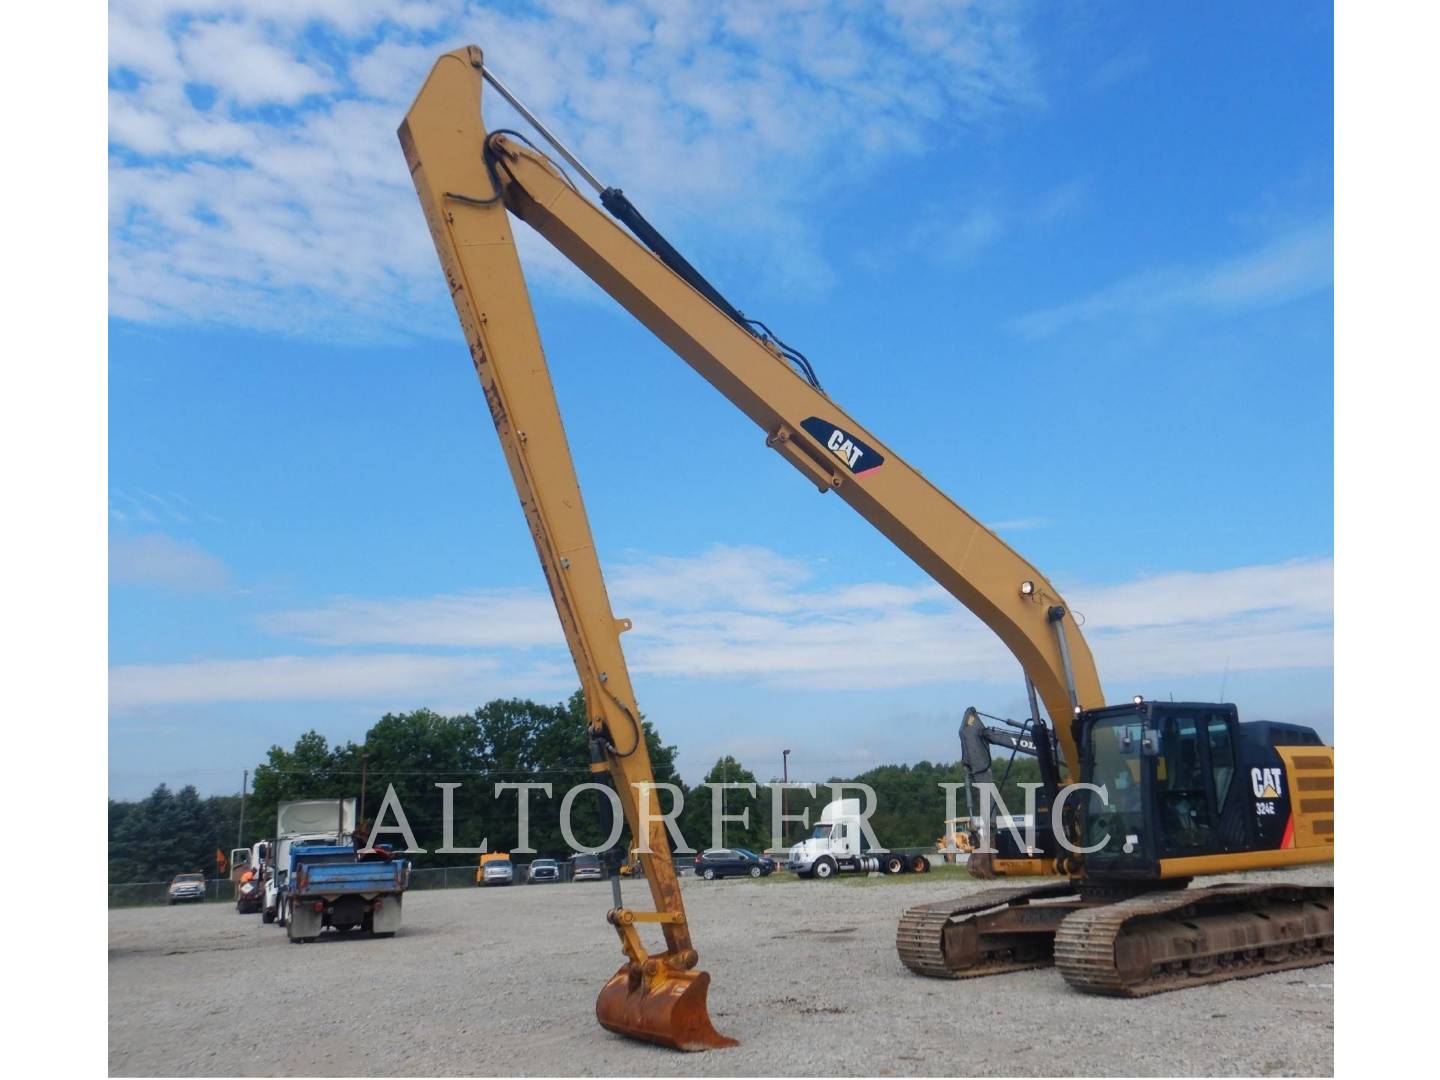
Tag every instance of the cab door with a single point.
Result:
(1194, 781)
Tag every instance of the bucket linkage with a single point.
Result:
(662, 998)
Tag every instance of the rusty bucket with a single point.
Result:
(981, 865)
(668, 1008)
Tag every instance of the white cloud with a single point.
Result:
(1020, 524)
(392, 680)
(1304, 588)
(752, 615)
(779, 628)
(157, 559)
(283, 204)
(480, 619)
(1287, 268)
(237, 59)
(958, 228)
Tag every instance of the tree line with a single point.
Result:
(506, 741)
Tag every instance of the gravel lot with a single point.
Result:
(503, 981)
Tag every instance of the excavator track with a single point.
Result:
(944, 940)
(1164, 941)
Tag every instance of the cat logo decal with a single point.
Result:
(856, 455)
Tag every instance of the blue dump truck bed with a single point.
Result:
(325, 878)
(343, 888)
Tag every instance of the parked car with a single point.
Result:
(186, 887)
(586, 868)
(732, 862)
(544, 870)
(497, 872)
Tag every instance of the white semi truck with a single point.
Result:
(838, 845)
(305, 821)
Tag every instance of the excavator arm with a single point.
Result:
(469, 182)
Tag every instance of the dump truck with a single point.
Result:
(344, 888)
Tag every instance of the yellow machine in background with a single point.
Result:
(957, 839)
(1182, 773)
(489, 857)
(631, 866)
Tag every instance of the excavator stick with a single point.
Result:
(659, 998)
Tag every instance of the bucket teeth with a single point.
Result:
(670, 1009)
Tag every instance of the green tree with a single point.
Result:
(165, 834)
(696, 821)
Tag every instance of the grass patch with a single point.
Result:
(943, 872)
(938, 872)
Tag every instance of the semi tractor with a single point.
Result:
(304, 821)
(839, 845)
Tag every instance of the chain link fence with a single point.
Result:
(145, 893)
(149, 893)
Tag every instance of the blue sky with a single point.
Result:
(1074, 264)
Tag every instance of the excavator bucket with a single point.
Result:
(671, 1011)
(981, 865)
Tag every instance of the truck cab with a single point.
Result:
(838, 844)
(1185, 781)
(275, 882)
(302, 821)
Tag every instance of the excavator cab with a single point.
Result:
(1182, 781)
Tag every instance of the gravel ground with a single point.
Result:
(503, 981)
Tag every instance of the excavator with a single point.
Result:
(1175, 790)
(992, 849)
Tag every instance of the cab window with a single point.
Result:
(1182, 783)
(1222, 759)
(1115, 749)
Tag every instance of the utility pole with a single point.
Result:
(244, 783)
(784, 779)
(360, 822)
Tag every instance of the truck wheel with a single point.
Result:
(824, 868)
(755, 871)
(894, 864)
(920, 864)
(267, 916)
(709, 873)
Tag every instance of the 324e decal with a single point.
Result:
(1267, 786)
